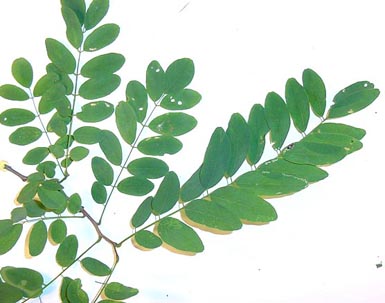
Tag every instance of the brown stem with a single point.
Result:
(10, 169)
(96, 226)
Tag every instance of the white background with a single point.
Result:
(326, 243)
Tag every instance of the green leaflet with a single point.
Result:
(136, 96)
(99, 192)
(22, 72)
(16, 116)
(67, 251)
(352, 99)
(178, 237)
(102, 170)
(101, 37)
(110, 146)
(167, 194)
(57, 151)
(9, 293)
(78, 6)
(210, 216)
(155, 80)
(13, 92)
(147, 167)
(95, 267)
(37, 238)
(160, 145)
(278, 119)
(310, 173)
(95, 111)
(53, 97)
(118, 291)
(142, 213)
(75, 293)
(125, 119)
(178, 75)
(36, 155)
(60, 56)
(79, 153)
(216, 159)
(58, 125)
(270, 184)
(238, 133)
(63, 289)
(316, 91)
(28, 192)
(57, 231)
(173, 124)
(45, 83)
(73, 27)
(18, 214)
(25, 135)
(103, 64)
(87, 135)
(28, 281)
(52, 199)
(9, 234)
(135, 186)
(99, 87)
(146, 240)
(95, 13)
(192, 188)
(182, 100)
(63, 78)
(74, 203)
(297, 104)
(244, 204)
(258, 129)
(326, 144)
